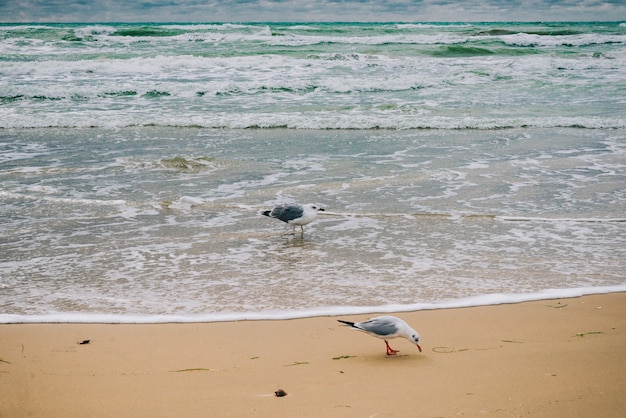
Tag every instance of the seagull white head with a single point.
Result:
(415, 337)
(405, 331)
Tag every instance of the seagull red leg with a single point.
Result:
(390, 351)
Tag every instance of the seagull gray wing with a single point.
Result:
(379, 326)
(287, 213)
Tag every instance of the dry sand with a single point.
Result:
(552, 358)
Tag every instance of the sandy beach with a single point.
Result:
(550, 358)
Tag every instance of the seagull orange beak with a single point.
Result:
(418, 347)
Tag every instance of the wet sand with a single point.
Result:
(551, 358)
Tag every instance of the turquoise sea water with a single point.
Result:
(459, 164)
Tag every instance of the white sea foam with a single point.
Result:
(181, 83)
(355, 120)
(526, 39)
(186, 203)
(95, 30)
(482, 300)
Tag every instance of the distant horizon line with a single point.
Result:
(459, 22)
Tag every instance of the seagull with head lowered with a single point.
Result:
(294, 214)
(386, 328)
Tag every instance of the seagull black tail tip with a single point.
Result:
(346, 322)
(266, 212)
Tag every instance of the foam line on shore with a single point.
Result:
(481, 300)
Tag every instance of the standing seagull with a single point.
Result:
(387, 327)
(294, 214)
